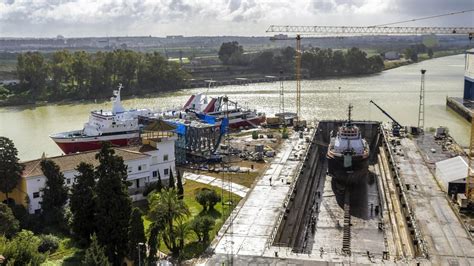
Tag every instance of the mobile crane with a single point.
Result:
(395, 125)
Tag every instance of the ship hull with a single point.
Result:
(246, 123)
(348, 175)
(86, 143)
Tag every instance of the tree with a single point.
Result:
(356, 61)
(182, 231)
(32, 71)
(230, 52)
(166, 208)
(83, 203)
(95, 254)
(22, 249)
(212, 198)
(202, 225)
(339, 61)
(10, 168)
(171, 183)
(55, 194)
(376, 63)
(201, 197)
(430, 52)
(153, 242)
(408, 53)
(9, 225)
(81, 69)
(136, 235)
(179, 185)
(60, 71)
(159, 184)
(208, 198)
(113, 204)
(263, 62)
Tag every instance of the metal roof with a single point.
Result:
(451, 170)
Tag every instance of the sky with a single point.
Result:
(81, 18)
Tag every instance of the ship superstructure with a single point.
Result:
(219, 107)
(118, 126)
(348, 153)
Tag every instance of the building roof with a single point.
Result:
(452, 169)
(71, 161)
(159, 125)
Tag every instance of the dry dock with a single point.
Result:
(296, 214)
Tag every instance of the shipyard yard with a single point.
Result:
(397, 214)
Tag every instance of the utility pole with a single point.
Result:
(421, 107)
(139, 251)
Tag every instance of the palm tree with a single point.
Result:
(167, 208)
(182, 231)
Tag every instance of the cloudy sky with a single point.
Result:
(75, 18)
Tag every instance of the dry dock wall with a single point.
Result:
(299, 219)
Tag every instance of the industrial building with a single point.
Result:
(463, 106)
(451, 174)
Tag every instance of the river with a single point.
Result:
(395, 90)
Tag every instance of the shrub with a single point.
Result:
(254, 135)
(22, 249)
(284, 133)
(48, 243)
(208, 198)
(202, 225)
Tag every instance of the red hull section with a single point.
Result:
(73, 147)
(247, 123)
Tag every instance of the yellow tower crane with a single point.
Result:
(376, 30)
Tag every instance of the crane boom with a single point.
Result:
(385, 113)
(371, 30)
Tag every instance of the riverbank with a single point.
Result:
(391, 64)
(233, 79)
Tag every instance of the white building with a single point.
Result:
(452, 173)
(392, 55)
(144, 164)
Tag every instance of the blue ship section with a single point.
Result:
(468, 89)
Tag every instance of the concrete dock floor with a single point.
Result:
(254, 221)
(446, 239)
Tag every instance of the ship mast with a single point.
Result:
(349, 120)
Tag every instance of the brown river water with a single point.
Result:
(396, 90)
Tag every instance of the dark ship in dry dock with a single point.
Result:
(348, 153)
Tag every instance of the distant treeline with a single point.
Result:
(317, 62)
(82, 75)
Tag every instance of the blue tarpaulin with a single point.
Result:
(181, 129)
(209, 119)
(224, 125)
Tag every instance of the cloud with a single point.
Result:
(208, 17)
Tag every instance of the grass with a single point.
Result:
(192, 247)
(67, 254)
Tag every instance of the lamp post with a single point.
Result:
(139, 253)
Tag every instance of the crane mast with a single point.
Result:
(299, 53)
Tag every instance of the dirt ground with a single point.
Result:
(244, 142)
